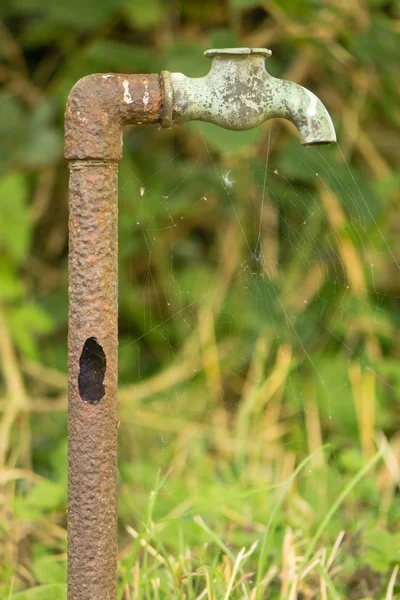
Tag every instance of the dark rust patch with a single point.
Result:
(98, 108)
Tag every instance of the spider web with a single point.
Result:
(306, 297)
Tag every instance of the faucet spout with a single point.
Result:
(304, 109)
(238, 93)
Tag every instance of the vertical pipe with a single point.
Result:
(98, 108)
(92, 348)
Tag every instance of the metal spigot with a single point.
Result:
(238, 93)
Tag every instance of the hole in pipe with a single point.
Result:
(92, 365)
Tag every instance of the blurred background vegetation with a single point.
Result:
(259, 307)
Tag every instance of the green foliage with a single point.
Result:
(245, 3)
(225, 141)
(381, 550)
(27, 322)
(43, 592)
(238, 251)
(111, 55)
(35, 141)
(14, 228)
(48, 571)
(144, 14)
(76, 14)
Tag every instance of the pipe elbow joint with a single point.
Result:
(100, 105)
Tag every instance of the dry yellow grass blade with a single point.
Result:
(363, 388)
(351, 260)
(313, 423)
(180, 371)
(17, 398)
(288, 564)
(7, 475)
(230, 245)
(276, 379)
(306, 289)
(257, 393)
(152, 551)
(389, 474)
(322, 580)
(209, 348)
(389, 593)
(187, 365)
(335, 550)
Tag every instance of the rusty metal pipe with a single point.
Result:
(98, 108)
(92, 434)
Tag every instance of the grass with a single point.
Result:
(287, 492)
(216, 505)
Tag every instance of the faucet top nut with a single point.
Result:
(237, 51)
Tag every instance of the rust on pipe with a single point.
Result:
(98, 108)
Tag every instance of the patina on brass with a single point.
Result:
(237, 94)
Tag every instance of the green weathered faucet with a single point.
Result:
(238, 93)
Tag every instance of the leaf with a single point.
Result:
(186, 58)
(27, 321)
(43, 143)
(46, 495)
(245, 3)
(35, 140)
(351, 460)
(334, 393)
(10, 286)
(117, 56)
(299, 10)
(224, 140)
(223, 38)
(384, 543)
(12, 118)
(144, 13)
(47, 570)
(43, 592)
(15, 232)
(75, 13)
(41, 33)
(43, 148)
(378, 45)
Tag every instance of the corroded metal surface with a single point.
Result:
(98, 108)
(92, 427)
(238, 93)
(168, 100)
